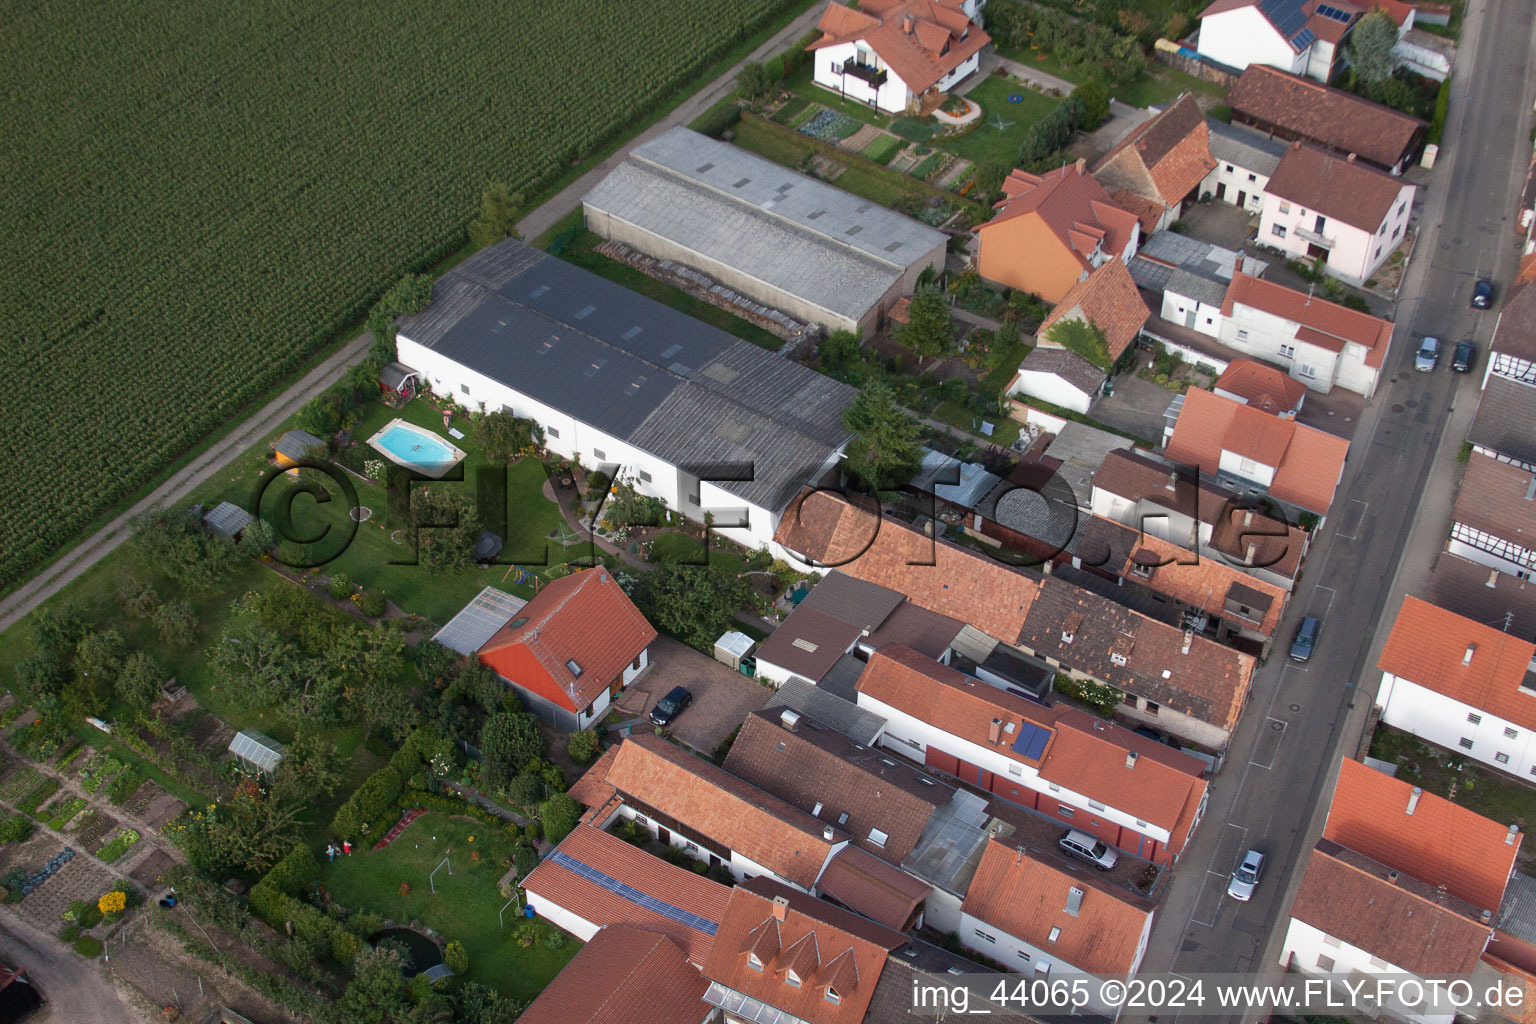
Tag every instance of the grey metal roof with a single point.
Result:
(226, 519)
(830, 710)
(789, 231)
(478, 621)
(1081, 448)
(946, 477)
(1201, 288)
(635, 369)
(1504, 417)
(296, 444)
(1244, 147)
(394, 375)
(1517, 914)
(951, 844)
(1050, 514)
(1067, 365)
(261, 752)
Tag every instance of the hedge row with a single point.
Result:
(274, 900)
(368, 810)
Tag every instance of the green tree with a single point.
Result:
(583, 746)
(175, 540)
(99, 657)
(508, 741)
(445, 525)
(40, 678)
(138, 684)
(1370, 46)
(1084, 337)
(498, 216)
(1095, 97)
(456, 957)
(752, 81)
(257, 539)
(885, 452)
(376, 994)
(504, 436)
(559, 814)
(57, 628)
(138, 598)
(696, 603)
(929, 330)
(840, 352)
(309, 771)
(176, 622)
(384, 702)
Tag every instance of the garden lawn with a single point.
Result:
(1152, 88)
(988, 143)
(466, 903)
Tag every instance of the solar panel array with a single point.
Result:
(1303, 39)
(1334, 13)
(1031, 740)
(633, 895)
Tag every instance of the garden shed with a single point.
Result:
(227, 519)
(259, 752)
(295, 446)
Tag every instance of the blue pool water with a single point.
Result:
(418, 448)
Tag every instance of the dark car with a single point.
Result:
(1306, 639)
(1466, 355)
(672, 705)
(1482, 294)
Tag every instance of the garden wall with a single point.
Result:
(1182, 58)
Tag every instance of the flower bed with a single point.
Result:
(120, 844)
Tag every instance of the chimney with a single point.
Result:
(1082, 166)
(1173, 480)
(1247, 517)
(1486, 916)
(1189, 639)
(1252, 554)
(1509, 837)
(1530, 489)
(1392, 877)
(827, 833)
(789, 719)
(1130, 758)
(994, 730)
(1493, 579)
(908, 24)
(780, 905)
(1466, 659)
(1413, 798)
(1350, 158)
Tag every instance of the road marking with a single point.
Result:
(1331, 595)
(1279, 735)
(1355, 521)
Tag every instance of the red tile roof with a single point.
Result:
(1438, 843)
(868, 885)
(1330, 324)
(639, 870)
(920, 40)
(942, 577)
(1263, 387)
(1027, 898)
(1107, 298)
(584, 619)
(1353, 898)
(1163, 158)
(1307, 462)
(1498, 498)
(1340, 189)
(786, 930)
(1428, 645)
(1072, 204)
(623, 976)
(723, 808)
(593, 788)
(1266, 96)
(1083, 753)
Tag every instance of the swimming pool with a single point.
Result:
(416, 448)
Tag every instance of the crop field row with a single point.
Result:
(197, 198)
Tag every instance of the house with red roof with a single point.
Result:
(898, 55)
(1320, 343)
(623, 975)
(1292, 463)
(1263, 387)
(573, 648)
(1160, 164)
(1052, 230)
(1048, 918)
(1132, 792)
(1339, 212)
(1462, 685)
(1109, 300)
(1304, 37)
(1402, 883)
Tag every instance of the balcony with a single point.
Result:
(1316, 238)
(873, 77)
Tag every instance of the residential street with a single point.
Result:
(74, 989)
(1387, 522)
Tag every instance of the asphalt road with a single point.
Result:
(1271, 793)
(73, 988)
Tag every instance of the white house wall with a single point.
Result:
(941, 911)
(1443, 721)
(741, 867)
(1473, 544)
(1175, 527)
(562, 918)
(1192, 313)
(1032, 961)
(1356, 252)
(1248, 469)
(1052, 388)
(1244, 36)
(967, 67)
(892, 97)
(1304, 944)
(1234, 179)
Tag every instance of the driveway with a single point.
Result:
(73, 988)
(1136, 407)
(722, 697)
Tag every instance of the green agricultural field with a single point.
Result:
(198, 198)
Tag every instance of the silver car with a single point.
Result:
(1246, 878)
(1428, 355)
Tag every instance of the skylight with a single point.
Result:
(575, 668)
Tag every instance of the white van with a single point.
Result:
(1095, 851)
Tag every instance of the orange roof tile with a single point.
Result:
(828, 947)
(1429, 646)
(1340, 189)
(868, 885)
(828, 528)
(1028, 898)
(1072, 204)
(1438, 842)
(1332, 325)
(642, 872)
(1107, 298)
(593, 788)
(1308, 463)
(920, 40)
(584, 619)
(1527, 269)
(1170, 152)
(1263, 387)
(722, 807)
(623, 976)
(1273, 99)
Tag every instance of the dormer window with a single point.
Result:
(1118, 659)
(1066, 636)
(832, 997)
(754, 961)
(1142, 570)
(791, 979)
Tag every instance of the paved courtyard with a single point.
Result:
(722, 697)
(1136, 407)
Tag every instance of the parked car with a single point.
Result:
(1086, 847)
(670, 706)
(1306, 639)
(1466, 355)
(1246, 878)
(1482, 294)
(1428, 355)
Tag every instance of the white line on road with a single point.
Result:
(1365, 507)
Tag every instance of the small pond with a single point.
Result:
(423, 951)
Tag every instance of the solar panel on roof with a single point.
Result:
(1334, 13)
(1303, 39)
(1031, 740)
(633, 895)
(1286, 15)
